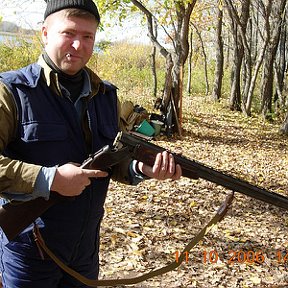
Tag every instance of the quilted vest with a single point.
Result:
(50, 133)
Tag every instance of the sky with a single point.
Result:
(26, 13)
(29, 14)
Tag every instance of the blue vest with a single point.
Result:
(49, 133)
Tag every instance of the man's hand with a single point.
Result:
(164, 167)
(71, 180)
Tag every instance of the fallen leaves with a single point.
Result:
(145, 225)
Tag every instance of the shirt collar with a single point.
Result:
(92, 83)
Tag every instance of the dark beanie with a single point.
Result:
(57, 5)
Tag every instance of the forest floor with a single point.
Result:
(145, 226)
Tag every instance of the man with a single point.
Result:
(53, 114)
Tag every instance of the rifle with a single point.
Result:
(127, 145)
(146, 152)
(16, 216)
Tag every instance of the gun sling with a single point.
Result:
(127, 146)
(129, 281)
(130, 146)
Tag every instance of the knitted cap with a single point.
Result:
(57, 5)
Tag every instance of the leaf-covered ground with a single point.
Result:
(146, 225)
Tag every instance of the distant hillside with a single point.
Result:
(6, 26)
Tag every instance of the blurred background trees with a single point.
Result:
(227, 51)
(249, 36)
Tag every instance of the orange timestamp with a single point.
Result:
(237, 256)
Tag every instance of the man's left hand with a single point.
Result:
(164, 167)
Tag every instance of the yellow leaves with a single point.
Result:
(134, 235)
(113, 240)
(193, 204)
(134, 249)
(255, 279)
(109, 209)
(234, 235)
(145, 225)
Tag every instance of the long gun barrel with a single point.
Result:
(14, 218)
(146, 152)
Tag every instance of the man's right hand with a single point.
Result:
(71, 180)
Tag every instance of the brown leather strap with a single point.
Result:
(128, 281)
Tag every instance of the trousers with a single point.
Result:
(23, 267)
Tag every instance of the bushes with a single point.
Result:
(16, 53)
(128, 66)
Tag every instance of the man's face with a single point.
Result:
(69, 41)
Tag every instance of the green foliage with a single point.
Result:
(17, 53)
(103, 45)
(128, 67)
(115, 8)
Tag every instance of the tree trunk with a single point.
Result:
(260, 9)
(253, 81)
(235, 95)
(217, 87)
(267, 79)
(280, 66)
(205, 59)
(174, 59)
(284, 128)
(241, 49)
(153, 63)
(267, 84)
(153, 69)
(189, 76)
(168, 82)
(255, 34)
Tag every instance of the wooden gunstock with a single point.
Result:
(146, 152)
(16, 216)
